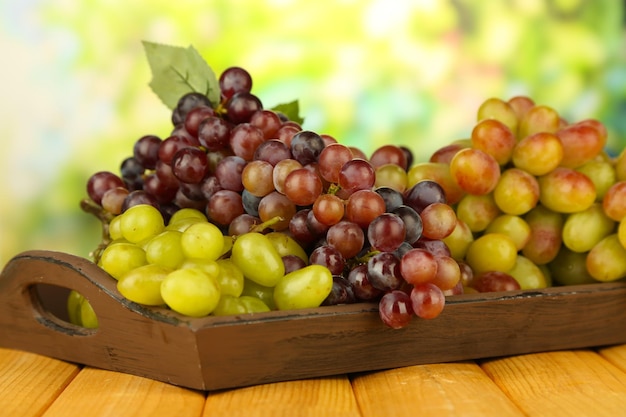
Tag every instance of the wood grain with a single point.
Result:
(436, 390)
(102, 393)
(316, 397)
(615, 354)
(567, 383)
(29, 383)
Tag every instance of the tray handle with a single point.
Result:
(150, 342)
(35, 285)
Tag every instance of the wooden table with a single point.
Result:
(588, 382)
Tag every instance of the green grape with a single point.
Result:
(602, 173)
(477, 211)
(527, 274)
(165, 249)
(228, 245)
(517, 191)
(492, 252)
(391, 175)
(570, 268)
(537, 119)
(607, 260)
(183, 224)
(459, 240)
(187, 213)
(255, 255)
(565, 190)
(141, 222)
(495, 108)
(513, 226)
(210, 267)
(538, 153)
(88, 316)
(304, 288)
(74, 300)
(253, 304)
(229, 305)
(621, 232)
(143, 285)
(230, 278)
(584, 229)
(286, 245)
(263, 293)
(115, 231)
(119, 258)
(547, 274)
(202, 240)
(191, 292)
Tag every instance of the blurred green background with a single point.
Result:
(75, 92)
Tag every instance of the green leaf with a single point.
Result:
(291, 110)
(177, 71)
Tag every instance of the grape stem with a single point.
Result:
(333, 189)
(105, 217)
(365, 258)
(266, 224)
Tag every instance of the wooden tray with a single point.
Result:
(224, 352)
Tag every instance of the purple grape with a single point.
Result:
(386, 232)
(424, 193)
(185, 104)
(383, 271)
(241, 106)
(306, 146)
(100, 182)
(272, 151)
(214, 133)
(234, 80)
(293, 263)
(392, 197)
(329, 257)
(395, 309)
(412, 223)
(139, 197)
(340, 293)
(190, 165)
(363, 289)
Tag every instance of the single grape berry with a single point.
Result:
(306, 146)
(241, 106)
(234, 80)
(185, 104)
(395, 309)
(190, 165)
(100, 182)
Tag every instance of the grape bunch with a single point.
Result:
(538, 200)
(358, 227)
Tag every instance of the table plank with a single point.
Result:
(316, 397)
(29, 383)
(562, 383)
(616, 355)
(99, 393)
(432, 390)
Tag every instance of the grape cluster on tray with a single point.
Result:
(239, 210)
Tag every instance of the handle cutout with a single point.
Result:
(63, 308)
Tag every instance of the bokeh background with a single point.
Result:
(74, 81)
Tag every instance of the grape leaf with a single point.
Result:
(177, 71)
(291, 110)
